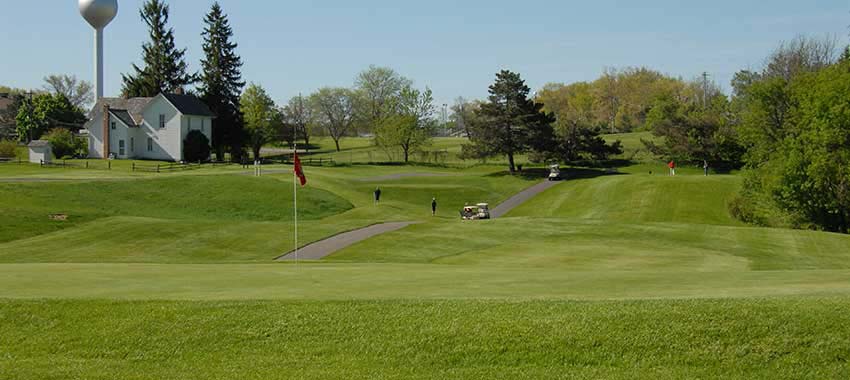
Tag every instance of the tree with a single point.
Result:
(165, 69)
(300, 115)
(221, 82)
(510, 122)
(334, 110)
(809, 176)
(693, 132)
(78, 92)
(196, 147)
(410, 128)
(44, 112)
(577, 136)
(259, 110)
(377, 90)
(8, 115)
(64, 143)
(464, 115)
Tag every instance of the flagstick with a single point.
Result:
(295, 198)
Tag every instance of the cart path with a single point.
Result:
(324, 248)
(523, 196)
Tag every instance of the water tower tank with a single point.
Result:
(99, 13)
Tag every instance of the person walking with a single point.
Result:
(705, 167)
(377, 195)
(672, 166)
(434, 207)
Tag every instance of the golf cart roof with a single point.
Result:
(483, 205)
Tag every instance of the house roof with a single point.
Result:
(132, 109)
(124, 116)
(189, 105)
(133, 106)
(39, 144)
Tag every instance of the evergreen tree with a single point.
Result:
(510, 122)
(221, 82)
(164, 65)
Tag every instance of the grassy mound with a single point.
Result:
(639, 198)
(193, 199)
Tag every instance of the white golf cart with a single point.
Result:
(555, 172)
(478, 212)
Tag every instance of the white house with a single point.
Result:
(40, 151)
(146, 128)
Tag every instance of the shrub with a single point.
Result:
(64, 143)
(196, 147)
(8, 148)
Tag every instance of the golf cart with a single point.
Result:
(477, 212)
(555, 172)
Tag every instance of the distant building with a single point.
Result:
(146, 128)
(40, 152)
(7, 122)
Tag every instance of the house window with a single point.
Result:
(150, 144)
(161, 121)
(190, 122)
(203, 128)
(132, 144)
(121, 148)
(112, 125)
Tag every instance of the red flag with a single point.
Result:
(299, 171)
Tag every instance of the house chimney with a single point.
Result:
(105, 131)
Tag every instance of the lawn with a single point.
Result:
(794, 338)
(611, 274)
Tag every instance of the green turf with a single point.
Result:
(224, 218)
(640, 197)
(191, 199)
(795, 338)
(171, 276)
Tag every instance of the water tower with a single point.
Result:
(98, 13)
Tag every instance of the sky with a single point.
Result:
(453, 47)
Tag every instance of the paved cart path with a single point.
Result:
(324, 248)
(523, 196)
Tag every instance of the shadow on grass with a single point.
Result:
(566, 173)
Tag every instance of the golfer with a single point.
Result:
(672, 166)
(434, 207)
(705, 167)
(377, 195)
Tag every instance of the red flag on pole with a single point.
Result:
(299, 171)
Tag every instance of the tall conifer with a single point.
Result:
(221, 82)
(165, 69)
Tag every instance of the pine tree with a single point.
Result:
(510, 122)
(221, 82)
(164, 65)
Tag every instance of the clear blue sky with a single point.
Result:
(455, 47)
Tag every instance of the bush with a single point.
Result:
(64, 143)
(8, 148)
(196, 147)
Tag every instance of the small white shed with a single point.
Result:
(40, 151)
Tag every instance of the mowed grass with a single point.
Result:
(27, 207)
(799, 338)
(639, 198)
(219, 218)
(632, 275)
(577, 245)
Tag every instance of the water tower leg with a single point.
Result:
(98, 63)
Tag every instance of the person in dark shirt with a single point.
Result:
(434, 207)
(377, 195)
